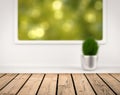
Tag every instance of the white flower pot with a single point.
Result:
(89, 62)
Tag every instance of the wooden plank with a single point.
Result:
(1, 75)
(82, 85)
(99, 86)
(13, 87)
(48, 86)
(112, 82)
(65, 85)
(30, 88)
(6, 79)
(116, 75)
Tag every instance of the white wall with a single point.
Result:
(55, 55)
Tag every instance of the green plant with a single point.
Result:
(90, 47)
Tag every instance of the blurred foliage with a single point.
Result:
(60, 19)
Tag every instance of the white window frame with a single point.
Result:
(71, 42)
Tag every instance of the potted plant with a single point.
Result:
(89, 58)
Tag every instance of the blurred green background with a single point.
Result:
(60, 19)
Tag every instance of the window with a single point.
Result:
(60, 21)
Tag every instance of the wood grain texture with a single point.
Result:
(117, 76)
(60, 84)
(1, 75)
(112, 82)
(13, 87)
(99, 86)
(82, 85)
(31, 86)
(48, 86)
(65, 85)
(6, 79)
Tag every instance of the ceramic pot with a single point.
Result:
(89, 62)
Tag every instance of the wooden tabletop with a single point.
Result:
(60, 84)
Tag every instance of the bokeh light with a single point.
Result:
(60, 19)
(35, 12)
(44, 25)
(58, 15)
(57, 5)
(67, 26)
(36, 33)
(98, 5)
(90, 17)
